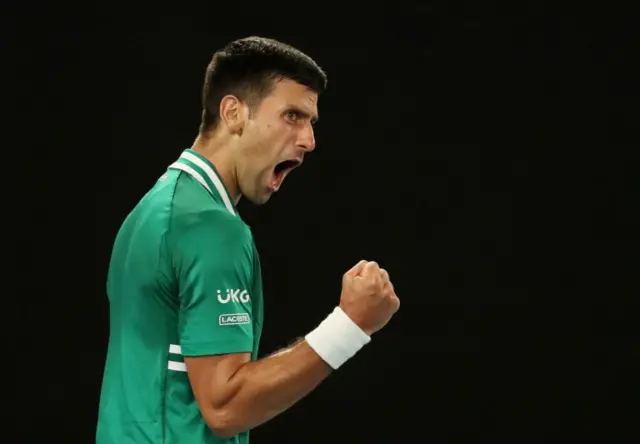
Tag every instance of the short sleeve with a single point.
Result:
(213, 259)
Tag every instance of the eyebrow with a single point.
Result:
(314, 119)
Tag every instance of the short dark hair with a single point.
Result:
(248, 68)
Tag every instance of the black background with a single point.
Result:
(483, 155)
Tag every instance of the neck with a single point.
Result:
(218, 152)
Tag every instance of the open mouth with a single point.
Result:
(281, 170)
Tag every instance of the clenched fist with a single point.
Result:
(368, 297)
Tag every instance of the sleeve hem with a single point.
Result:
(216, 348)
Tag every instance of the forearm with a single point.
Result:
(262, 389)
(255, 392)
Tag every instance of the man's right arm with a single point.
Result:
(236, 395)
(233, 393)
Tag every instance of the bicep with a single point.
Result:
(209, 377)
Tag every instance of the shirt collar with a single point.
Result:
(201, 169)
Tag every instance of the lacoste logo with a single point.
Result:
(234, 319)
(234, 296)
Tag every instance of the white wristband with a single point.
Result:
(337, 338)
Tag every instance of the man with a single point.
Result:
(184, 282)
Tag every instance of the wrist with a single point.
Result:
(337, 338)
(356, 320)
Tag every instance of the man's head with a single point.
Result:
(261, 96)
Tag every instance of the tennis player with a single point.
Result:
(184, 283)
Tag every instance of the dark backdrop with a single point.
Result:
(481, 155)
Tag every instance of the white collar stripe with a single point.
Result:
(194, 173)
(213, 177)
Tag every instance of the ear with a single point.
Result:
(232, 114)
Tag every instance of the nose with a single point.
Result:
(306, 138)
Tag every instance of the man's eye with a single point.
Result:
(292, 115)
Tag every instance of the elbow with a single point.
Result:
(223, 433)
(223, 423)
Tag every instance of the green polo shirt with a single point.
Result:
(184, 280)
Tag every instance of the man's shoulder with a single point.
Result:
(208, 222)
(212, 219)
(192, 212)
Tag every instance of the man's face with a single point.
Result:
(275, 139)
